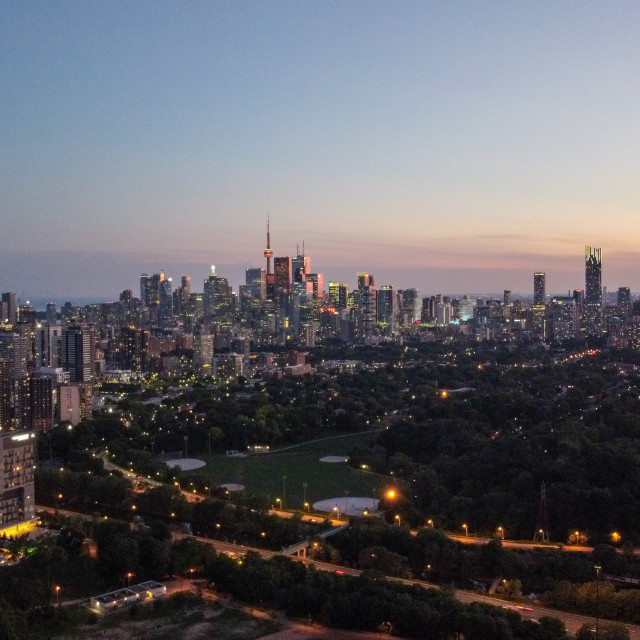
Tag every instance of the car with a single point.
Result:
(340, 572)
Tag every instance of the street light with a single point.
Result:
(337, 510)
(398, 519)
(615, 536)
(598, 568)
(306, 506)
(430, 523)
(501, 533)
(466, 530)
(57, 595)
(391, 494)
(129, 576)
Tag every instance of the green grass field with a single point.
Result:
(262, 474)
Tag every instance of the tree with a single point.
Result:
(606, 631)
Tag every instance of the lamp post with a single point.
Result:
(304, 492)
(598, 568)
(501, 533)
(399, 519)
(129, 576)
(430, 523)
(466, 530)
(57, 595)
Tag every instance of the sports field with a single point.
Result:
(262, 473)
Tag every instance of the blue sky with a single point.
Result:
(453, 147)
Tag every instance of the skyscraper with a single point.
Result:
(593, 291)
(150, 288)
(539, 302)
(624, 301)
(78, 352)
(282, 275)
(539, 289)
(300, 266)
(256, 280)
(9, 308)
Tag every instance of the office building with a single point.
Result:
(256, 281)
(338, 294)
(150, 288)
(317, 284)
(282, 275)
(52, 313)
(300, 266)
(165, 302)
(217, 297)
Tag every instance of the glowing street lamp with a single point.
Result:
(129, 576)
(391, 494)
(430, 523)
(57, 595)
(466, 530)
(501, 533)
(615, 536)
(398, 519)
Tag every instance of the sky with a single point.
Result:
(455, 147)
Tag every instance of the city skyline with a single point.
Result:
(236, 275)
(453, 148)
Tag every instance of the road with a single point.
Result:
(572, 621)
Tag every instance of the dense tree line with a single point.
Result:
(481, 457)
(365, 603)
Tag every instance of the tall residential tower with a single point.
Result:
(593, 291)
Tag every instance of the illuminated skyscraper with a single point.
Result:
(150, 288)
(338, 294)
(256, 280)
(78, 352)
(300, 266)
(624, 301)
(317, 281)
(282, 275)
(539, 302)
(218, 296)
(593, 291)
(9, 308)
(539, 289)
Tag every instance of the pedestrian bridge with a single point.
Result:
(300, 548)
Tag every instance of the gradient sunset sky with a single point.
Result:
(450, 146)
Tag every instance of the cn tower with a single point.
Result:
(267, 252)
